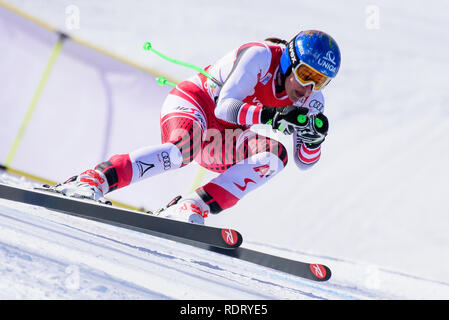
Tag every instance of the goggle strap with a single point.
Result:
(292, 53)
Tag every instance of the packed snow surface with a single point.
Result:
(374, 209)
(50, 255)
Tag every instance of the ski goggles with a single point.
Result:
(306, 75)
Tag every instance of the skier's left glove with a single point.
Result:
(315, 132)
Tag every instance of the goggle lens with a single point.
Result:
(306, 75)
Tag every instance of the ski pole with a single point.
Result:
(161, 80)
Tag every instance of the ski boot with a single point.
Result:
(90, 184)
(192, 209)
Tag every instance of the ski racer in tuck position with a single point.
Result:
(272, 82)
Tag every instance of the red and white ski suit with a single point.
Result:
(204, 122)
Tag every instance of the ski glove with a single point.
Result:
(315, 132)
(285, 119)
(311, 129)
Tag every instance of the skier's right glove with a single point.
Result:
(286, 119)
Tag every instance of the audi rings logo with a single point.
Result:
(166, 160)
(315, 104)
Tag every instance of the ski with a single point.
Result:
(223, 241)
(201, 236)
(310, 271)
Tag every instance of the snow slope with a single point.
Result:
(49, 255)
(377, 197)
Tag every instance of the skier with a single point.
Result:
(271, 82)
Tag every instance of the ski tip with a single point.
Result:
(232, 238)
(42, 187)
(320, 272)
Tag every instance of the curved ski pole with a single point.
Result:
(148, 47)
